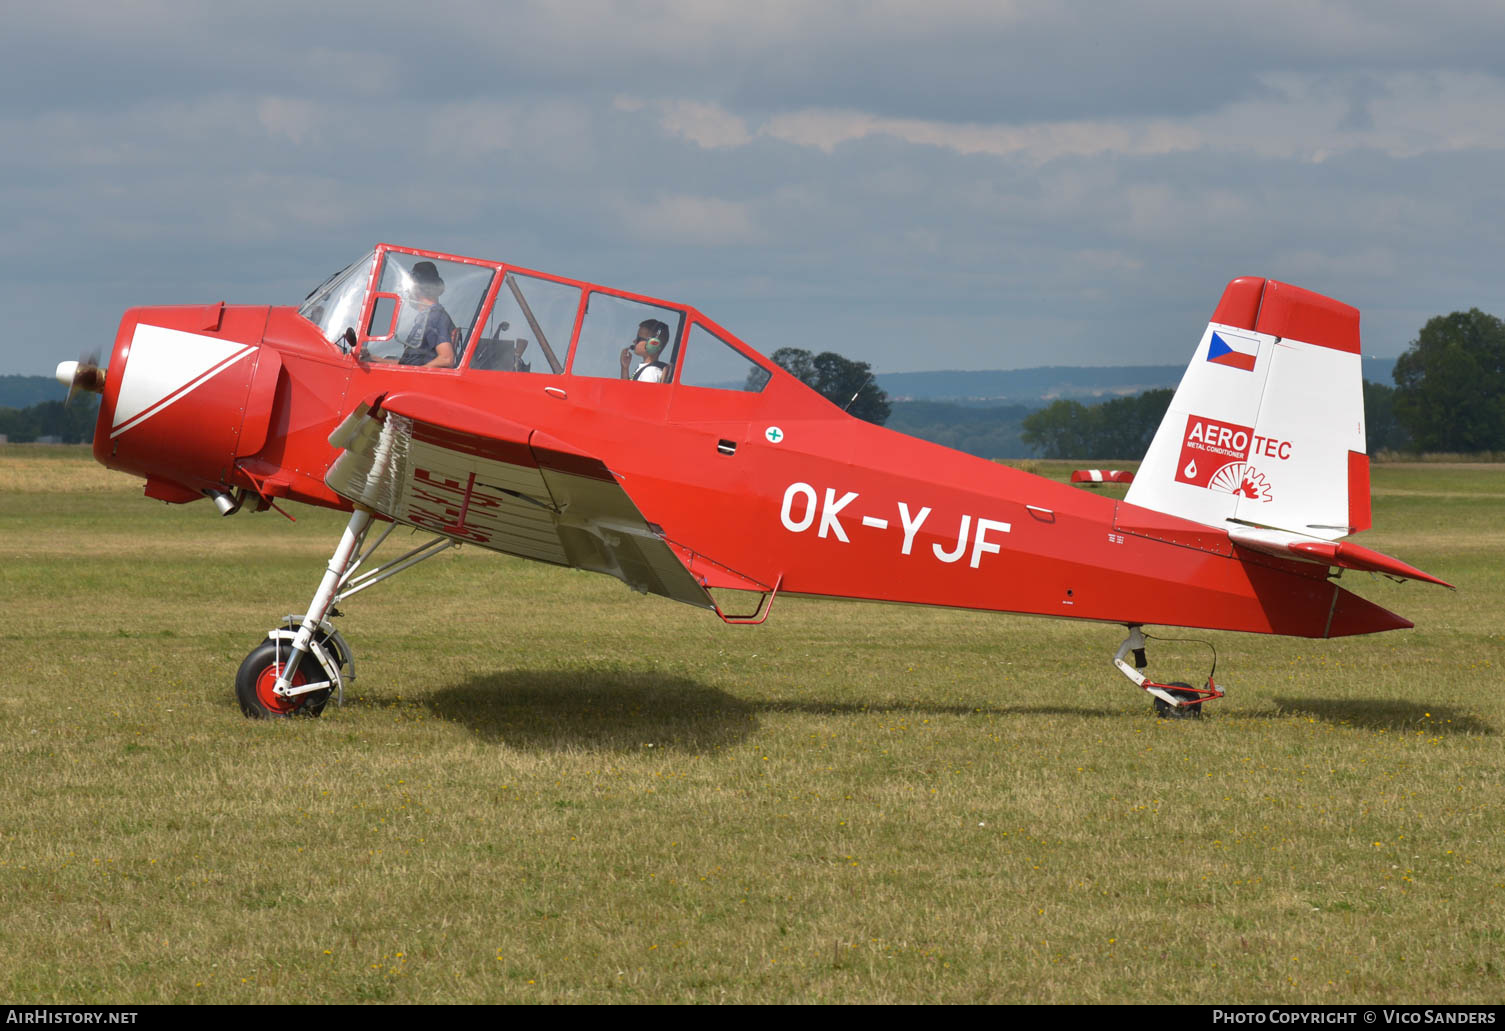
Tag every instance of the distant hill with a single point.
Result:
(1030, 386)
(25, 391)
(1041, 385)
(988, 431)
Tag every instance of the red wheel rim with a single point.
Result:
(266, 684)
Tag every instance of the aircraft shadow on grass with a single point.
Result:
(1384, 714)
(629, 710)
(818, 708)
(611, 710)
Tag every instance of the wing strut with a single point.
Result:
(543, 341)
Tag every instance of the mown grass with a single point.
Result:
(546, 788)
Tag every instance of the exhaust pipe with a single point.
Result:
(227, 505)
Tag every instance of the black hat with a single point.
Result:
(425, 274)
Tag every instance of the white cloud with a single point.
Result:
(1374, 263)
(545, 134)
(1300, 117)
(686, 219)
(1108, 260)
(290, 118)
(368, 72)
(706, 125)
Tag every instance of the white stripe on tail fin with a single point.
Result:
(1267, 426)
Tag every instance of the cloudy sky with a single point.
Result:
(942, 184)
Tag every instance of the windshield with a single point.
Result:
(410, 325)
(335, 304)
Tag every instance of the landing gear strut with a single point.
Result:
(304, 662)
(1175, 700)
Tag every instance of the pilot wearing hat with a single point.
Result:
(431, 337)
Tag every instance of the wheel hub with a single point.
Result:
(266, 688)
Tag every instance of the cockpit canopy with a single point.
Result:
(424, 310)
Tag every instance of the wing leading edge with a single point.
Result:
(486, 480)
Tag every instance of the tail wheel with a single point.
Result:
(257, 679)
(1167, 711)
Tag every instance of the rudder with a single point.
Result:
(1267, 426)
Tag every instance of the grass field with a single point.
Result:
(545, 788)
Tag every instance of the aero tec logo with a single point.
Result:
(1216, 454)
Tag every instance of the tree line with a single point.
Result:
(1123, 428)
(1449, 395)
(70, 424)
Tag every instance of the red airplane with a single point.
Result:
(636, 437)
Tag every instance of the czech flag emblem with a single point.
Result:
(1239, 353)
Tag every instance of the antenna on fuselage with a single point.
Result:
(860, 389)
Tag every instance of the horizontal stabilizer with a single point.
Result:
(1101, 476)
(1343, 554)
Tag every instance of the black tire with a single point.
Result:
(258, 675)
(1179, 712)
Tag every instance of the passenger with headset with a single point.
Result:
(652, 337)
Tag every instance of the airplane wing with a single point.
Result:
(486, 480)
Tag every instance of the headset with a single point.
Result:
(653, 345)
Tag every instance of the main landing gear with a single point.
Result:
(304, 662)
(1176, 700)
